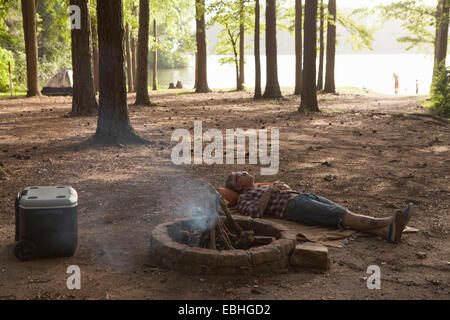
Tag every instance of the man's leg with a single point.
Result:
(377, 226)
(311, 209)
(389, 228)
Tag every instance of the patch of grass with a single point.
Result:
(354, 90)
(17, 94)
(334, 111)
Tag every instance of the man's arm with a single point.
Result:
(264, 201)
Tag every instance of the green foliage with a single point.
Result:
(440, 93)
(11, 39)
(418, 20)
(174, 29)
(54, 38)
(359, 35)
(170, 60)
(5, 56)
(228, 15)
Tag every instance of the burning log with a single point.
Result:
(217, 235)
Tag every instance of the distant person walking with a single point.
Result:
(417, 86)
(396, 83)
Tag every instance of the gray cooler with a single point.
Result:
(46, 222)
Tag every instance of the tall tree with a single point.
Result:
(155, 58)
(241, 81)
(84, 102)
(298, 46)
(142, 97)
(202, 55)
(134, 60)
(272, 85)
(31, 51)
(113, 126)
(330, 86)
(322, 47)
(309, 91)
(134, 52)
(95, 54)
(129, 58)
(258, 93)
(441, 39)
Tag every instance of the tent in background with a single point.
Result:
(60, 84)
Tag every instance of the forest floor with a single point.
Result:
(382, 152)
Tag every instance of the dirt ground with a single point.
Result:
(381, 153)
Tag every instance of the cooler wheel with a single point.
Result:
(25, 250)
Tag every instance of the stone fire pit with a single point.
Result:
(168, 251)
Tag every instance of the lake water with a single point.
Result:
(374, 72)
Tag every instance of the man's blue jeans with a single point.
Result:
(313, 210)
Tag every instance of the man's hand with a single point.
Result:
(279, 186)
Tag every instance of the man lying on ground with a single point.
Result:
(280, 201)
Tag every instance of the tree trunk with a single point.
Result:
(441, 40)
(84, 102)
(298, 47)
(196, 70)
(133, 51)
(113, 126)
(94, 55)
(202, 55)
(272, 85)
(309, 92)
(31, 51)
(258, 93)
(134, 61)
(330, 86)
(322, 48)
(129, 59)
(155, 59)
(241, 81)
(142, 97)
(238, 77)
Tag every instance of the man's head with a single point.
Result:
(240, 181)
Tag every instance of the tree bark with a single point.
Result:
(134, 61)
(133, 52)
(330, 86)
(155, 59)
(84, 102)
(129, 59)
(202, 55)
(322, 48)
(196, 70)
(298, 47)
(272, 85)
(241, 81)
(441, 40)
(258, 93)
(113, 126)
(142, 97)
(95, 55)
(309, 92)
(31, 51)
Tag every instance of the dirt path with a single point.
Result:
(381, 153)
